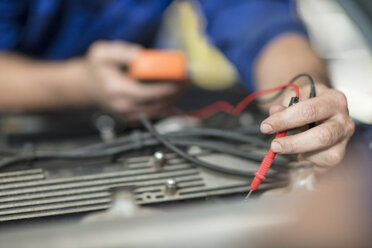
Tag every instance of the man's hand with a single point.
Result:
(111, 88)
(323, 145)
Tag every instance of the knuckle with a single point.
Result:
(309, 112)
(289, 147)
(351, 128)
(96, 46)
(341, 99)
(278, 121)
(119, 47)
(94, 54)
(96, 49)
(325, 136)
(334, 158)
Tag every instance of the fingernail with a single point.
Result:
(266, 128)
(276, 147)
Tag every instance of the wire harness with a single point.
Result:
(140, 140)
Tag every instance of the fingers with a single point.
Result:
(119, 85)
(146, 92)
(327, 104)
(319, 137)
(326, 158)
(113, 89)
(126, 102)
(323, 145)
(298, 115)
(116, 52)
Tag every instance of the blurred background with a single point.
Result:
(340, 31)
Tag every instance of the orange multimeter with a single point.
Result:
(158, 65)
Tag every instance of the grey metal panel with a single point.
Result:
(92, 191)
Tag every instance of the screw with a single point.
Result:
(158, 160)
(170, 187)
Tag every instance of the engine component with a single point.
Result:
(79, 187)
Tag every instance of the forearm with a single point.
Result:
(284, 58)
(30, 85)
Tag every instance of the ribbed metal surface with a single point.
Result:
(21, 176)
(30, 194)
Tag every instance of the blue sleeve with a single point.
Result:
(12, 13)
(242, 28)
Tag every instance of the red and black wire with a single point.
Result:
(228, 108)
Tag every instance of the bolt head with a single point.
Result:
(171, 187)
(158, 160)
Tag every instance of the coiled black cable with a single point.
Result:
(238, 136)
(146, 123)
(141, 142)
(231, 135)
(277, 95)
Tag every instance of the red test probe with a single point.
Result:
(228, 108)
(268, 160)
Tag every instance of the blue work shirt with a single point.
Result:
(61, 29)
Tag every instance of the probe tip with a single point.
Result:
(249, 194)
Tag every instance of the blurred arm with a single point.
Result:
(285, 57)
(242, 30)
(96, 78)
(27, 84)
(268, 44)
